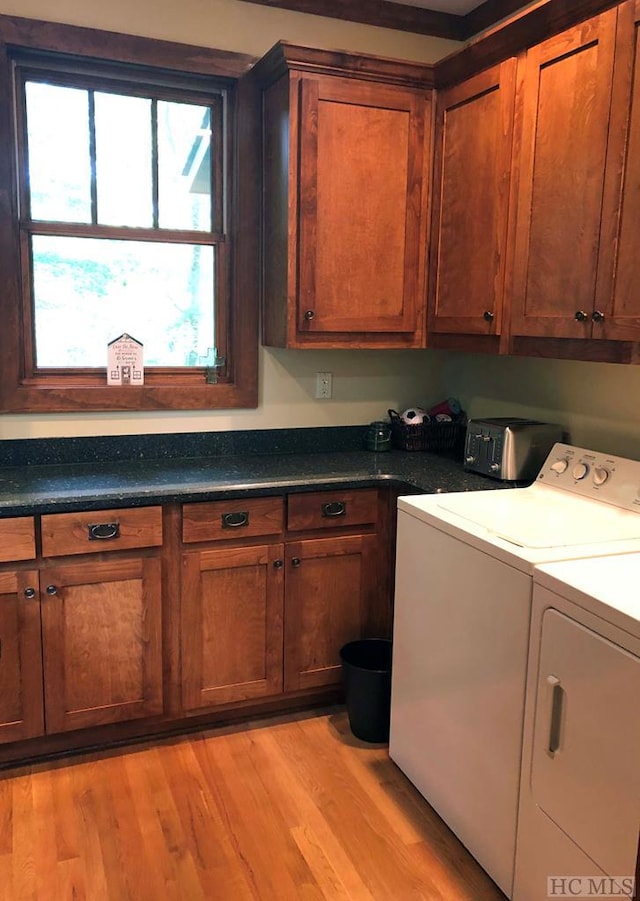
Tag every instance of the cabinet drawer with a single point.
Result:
(101, 530)
(332, 509)
(17, 541)
(235, 518)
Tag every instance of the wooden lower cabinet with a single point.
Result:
(236, 620)
(101, 642)
(21, 709)
(257, 621)
(329, 590)
(232, 601)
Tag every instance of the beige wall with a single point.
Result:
(229, 25)
(598, 403)
(365, 385)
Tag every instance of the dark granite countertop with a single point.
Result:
(74, 486)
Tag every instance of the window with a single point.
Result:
(129, 186)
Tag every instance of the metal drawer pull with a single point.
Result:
(335, 508)
(103, 531)
(556, 713)
(235, 520)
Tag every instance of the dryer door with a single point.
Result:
(586, 767)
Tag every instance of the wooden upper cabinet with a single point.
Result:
(346, 163)
(473, 148)
(564, 104)
(617, 295)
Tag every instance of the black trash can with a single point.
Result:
(366, 666)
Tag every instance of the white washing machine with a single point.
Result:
(579, 817)
(464, 585)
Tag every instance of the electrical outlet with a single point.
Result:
(324, 385)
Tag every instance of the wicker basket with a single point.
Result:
(427, 436)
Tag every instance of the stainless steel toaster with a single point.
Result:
(509, 448)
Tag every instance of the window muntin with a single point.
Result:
(119, 228)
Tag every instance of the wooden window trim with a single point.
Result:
(176, 389)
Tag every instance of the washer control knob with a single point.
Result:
(600, 475)
(560, 466)
(494, 467)
(579, 471)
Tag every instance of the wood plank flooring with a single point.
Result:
(287, 808)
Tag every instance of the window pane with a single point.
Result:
(184, 166)
(123, 160)
(58, 152)
(88, 291)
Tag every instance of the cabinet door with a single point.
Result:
(617, 296)
(101, 626)
(474, 131)
(231, 625)
(330, 587)
(585, 773)
(17, 539)
(20, 657)
(565, 99)
(363, 185)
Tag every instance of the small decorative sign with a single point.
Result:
(124, 361)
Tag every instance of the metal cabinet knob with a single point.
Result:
(597, 316)
(296, 561)
(51, 589)
(309, 314)
(277, 564)
(581, 316)
(488, 316)
(29, 592)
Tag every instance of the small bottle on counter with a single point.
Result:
(378, 437)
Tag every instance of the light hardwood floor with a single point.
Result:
(287, 808)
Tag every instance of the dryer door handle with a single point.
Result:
(555, 724)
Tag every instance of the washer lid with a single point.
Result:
(540, 517)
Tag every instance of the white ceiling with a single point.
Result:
(457, 7)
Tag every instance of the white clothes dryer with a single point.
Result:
(579, 815)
